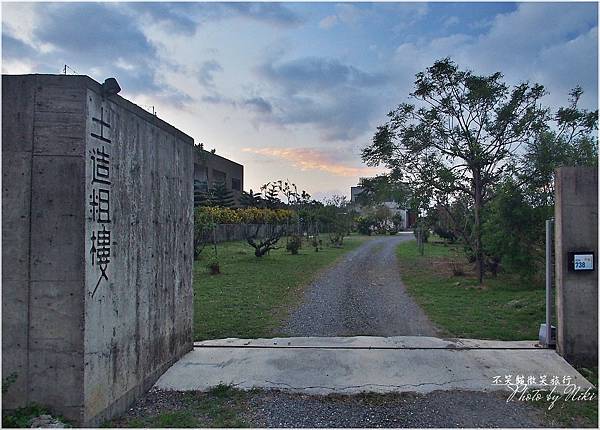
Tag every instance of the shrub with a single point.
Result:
(424, 231)
(245, 215)
(336, 239)
(263, 246)
(457, 268)
(316, 243)
(202, 226)
(214, 267)
(364, 224)
(294, 244)
(445, 234)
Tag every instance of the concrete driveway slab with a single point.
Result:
(373, 342)
(363, 364)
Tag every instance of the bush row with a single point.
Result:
(218, 215)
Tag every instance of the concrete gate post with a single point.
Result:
(97, 237)
(576, 237)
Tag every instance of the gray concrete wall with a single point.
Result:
(576, 229)
(42, 240)
(90, 321)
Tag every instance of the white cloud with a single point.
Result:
(17, 67)
(328, 22)
(524, 47)
(20, 21)
(348, 13)
(451, 21)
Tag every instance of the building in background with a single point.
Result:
(210, 169)
(354, 192)
(408, 216)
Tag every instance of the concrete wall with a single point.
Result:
(43, 146)
(97, 293)
(576, 229)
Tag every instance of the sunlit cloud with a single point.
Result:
(314, 159)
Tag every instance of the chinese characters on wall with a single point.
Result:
(99, 198)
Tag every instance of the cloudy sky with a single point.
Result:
(295, 90)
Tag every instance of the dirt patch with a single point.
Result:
(451, 267)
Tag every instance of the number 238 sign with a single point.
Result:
(581, 261)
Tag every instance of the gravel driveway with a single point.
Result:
(263, 409)
(362, 295)
(440, 409)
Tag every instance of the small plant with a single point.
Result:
(22, 417)
(294, 244)
(336, 239)
(214, 266)
(316, 243)
(262, 247)
(457, 268)
(446, 234)
(365, 224)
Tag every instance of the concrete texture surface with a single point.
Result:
(87, 355)
(363, 364)
(366, 342)
(361, 295)
(576, 229)
(142, 314)
(43, 146)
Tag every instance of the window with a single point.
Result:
(200, 186)
(219, 176)
(236, 184)
(200, 172)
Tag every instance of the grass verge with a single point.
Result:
(252, 296)
(575, 414)
(444, 284)
(220, 407)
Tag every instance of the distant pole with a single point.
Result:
(549, 226)
(214, 226)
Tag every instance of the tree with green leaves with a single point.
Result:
(570, 141)
(251, 199)
(513, 227)
(457, 138)
(382, 188)
(201, 196)
(270, 197)
(221, 197)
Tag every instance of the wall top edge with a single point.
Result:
(207, 154)
(85, 81)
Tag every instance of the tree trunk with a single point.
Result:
(477, 225)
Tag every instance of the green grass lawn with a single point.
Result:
(252, 296)
(505, 308)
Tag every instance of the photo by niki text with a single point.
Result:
(550, 388)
